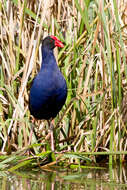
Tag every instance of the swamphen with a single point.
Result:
(49, 89)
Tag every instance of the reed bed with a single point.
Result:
(92, 124)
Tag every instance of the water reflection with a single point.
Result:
(88, 179)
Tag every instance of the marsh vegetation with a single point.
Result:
(92, 124)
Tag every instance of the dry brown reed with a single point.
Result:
(93, 63)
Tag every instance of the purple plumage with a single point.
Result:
(49, 90)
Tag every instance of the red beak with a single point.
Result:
(58, 43)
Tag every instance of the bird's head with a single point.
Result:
(51, 42)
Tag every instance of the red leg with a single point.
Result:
(51, 126)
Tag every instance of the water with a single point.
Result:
(88, 179)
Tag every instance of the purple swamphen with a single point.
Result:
(49, 89)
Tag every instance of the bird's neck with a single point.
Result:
(48, 58)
